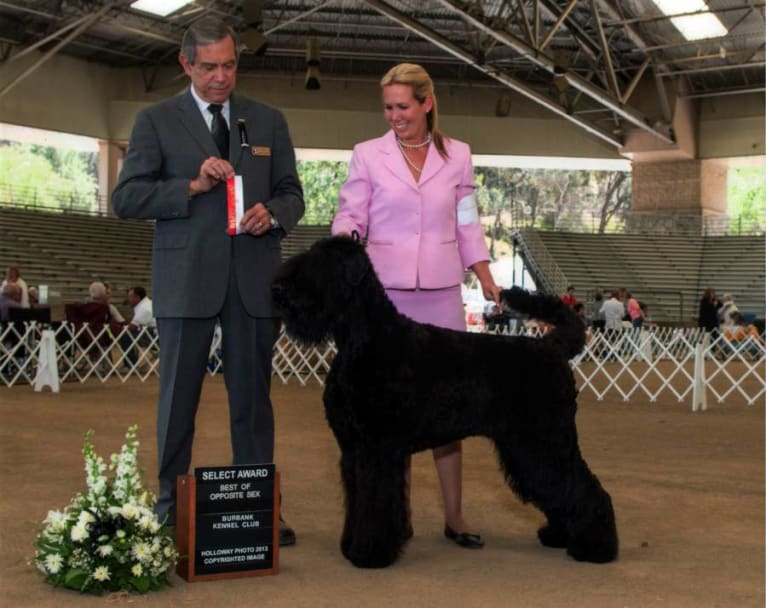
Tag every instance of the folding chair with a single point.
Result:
(94, 333)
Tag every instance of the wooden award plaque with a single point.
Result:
(227, 522)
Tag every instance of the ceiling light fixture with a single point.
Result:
(692, 27)
(161, 8)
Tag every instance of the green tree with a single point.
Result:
(747, 196)
(48, 177)
(321, 182)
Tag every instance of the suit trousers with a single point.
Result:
(248, 343)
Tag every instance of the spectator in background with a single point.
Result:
(10, 297)
(634, 311)
(613, 311)
(13, 275)
(598, 314)
(97, 292)
(34, 299)
(569, 297)
(113, 310)
(579, 310)
(708, 310)
(142, 309)
(143, 319)
(728, 310)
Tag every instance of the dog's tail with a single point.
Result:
(568, 332)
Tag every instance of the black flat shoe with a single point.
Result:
(286, 534)
(464, 539)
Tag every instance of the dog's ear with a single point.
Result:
(356, 268)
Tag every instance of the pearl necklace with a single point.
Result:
(407, 158)
(422, 144)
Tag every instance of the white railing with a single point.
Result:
(683, 364)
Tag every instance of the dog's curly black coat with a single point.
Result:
(397, 387)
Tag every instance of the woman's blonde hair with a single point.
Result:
(414, 75)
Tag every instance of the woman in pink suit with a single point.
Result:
(411, 193)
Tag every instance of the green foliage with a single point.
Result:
(579, 200)
(48, 177)
(321, 184)
(747, 195)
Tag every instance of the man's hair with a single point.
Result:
(139, 291)
(206, 31)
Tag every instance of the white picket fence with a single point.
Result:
(683, 364)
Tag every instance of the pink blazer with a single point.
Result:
(416, 236)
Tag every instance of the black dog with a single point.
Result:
(397, 387)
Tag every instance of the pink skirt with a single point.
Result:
(440, 307)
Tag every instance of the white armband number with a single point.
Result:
(467, 211)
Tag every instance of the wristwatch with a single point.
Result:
(273, 223)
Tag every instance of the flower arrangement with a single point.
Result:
(108, 538)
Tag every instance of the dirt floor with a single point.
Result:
(688, 490)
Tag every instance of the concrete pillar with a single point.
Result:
(110, 157)
(688, 187)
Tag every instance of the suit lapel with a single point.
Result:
(191, 118)
(394, 161)
(434, 164)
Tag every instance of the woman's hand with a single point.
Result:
(488, 286)
(492, 292)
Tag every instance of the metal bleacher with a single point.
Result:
(667, 272)
(67, 251)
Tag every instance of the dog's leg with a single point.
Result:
(591, 524)
(376, 510)
(348, 475)
(550, 473)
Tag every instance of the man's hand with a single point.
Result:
(212, 171)
(256, 220)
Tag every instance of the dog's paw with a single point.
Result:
(553, 535)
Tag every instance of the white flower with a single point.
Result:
(141, 552)
(101, 574)
(137, 570)
(79, 532)
(145, 522)
(53, 563)
(56, 520)
(85, 517)
(129, 511)
(120, 533)
(105, 550)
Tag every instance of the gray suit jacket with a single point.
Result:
(192, 252)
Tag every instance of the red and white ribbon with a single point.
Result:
(235, 201)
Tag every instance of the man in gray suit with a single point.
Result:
(179, 159)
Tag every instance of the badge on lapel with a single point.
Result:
(260, 151)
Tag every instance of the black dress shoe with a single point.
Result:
(464, 539)
(286, 534)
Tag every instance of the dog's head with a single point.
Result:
(315, 291)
